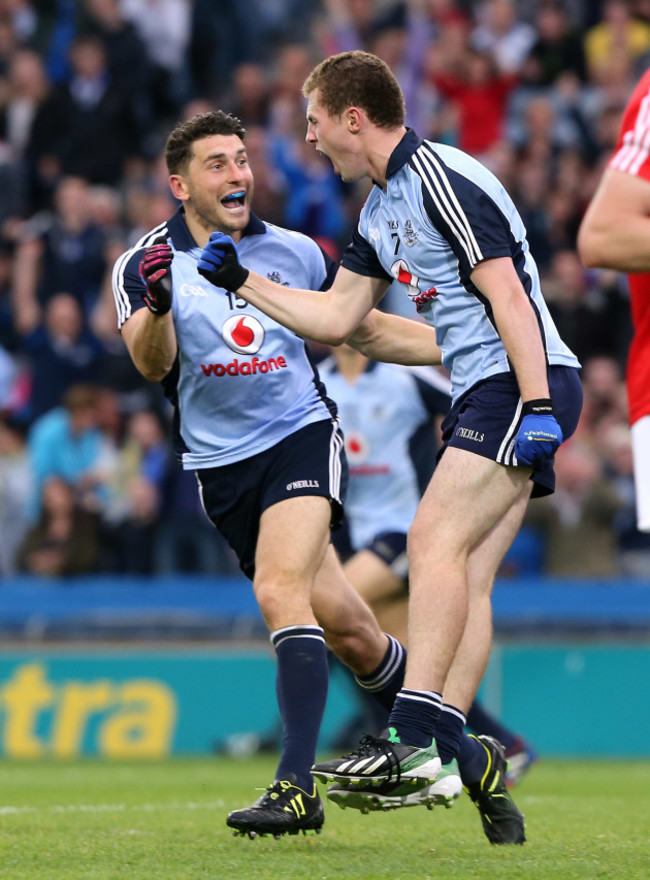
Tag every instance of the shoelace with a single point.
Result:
(370, 744)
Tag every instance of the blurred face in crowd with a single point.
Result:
(63, 317)
(88, 58)
(145, 428)
(72, 201)
(58, 497)
(216, 187)
(27, 74)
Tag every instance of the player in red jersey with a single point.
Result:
(615, 234)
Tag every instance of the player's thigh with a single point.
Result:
(466, 497)
(486, 556)
(293, 538)
(373, 578)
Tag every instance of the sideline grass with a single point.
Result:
(91, 820)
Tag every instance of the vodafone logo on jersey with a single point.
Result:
(356, 446)
(243, 334)
(356, 449)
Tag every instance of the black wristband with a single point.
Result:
(543, 406)
(238, 275)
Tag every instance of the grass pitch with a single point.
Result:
(91, 820)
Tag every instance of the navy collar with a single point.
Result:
(182, 237)
(403, 152)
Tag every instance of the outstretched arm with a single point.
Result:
(329, 317)
(341, 314)
(385, 337)
(615, 231)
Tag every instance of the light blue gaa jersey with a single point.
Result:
(241, 382)
(442, 214)
(386, 415)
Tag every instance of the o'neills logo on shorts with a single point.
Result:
(470, 434)
(244, 368)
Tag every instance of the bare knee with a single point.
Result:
(431, 547)
(283, 601)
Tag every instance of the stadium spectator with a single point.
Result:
(605, 397)
(500, 33)
(65, 540)
(164, 26)
(129, 64)
(473, 241)
(558, 48)
(61, 250)
(61, 353)
(67, 442)
(290, 64)
(580, 310)
(21, 130)
(131, 542)
(261, 436)
(93, 128)
(617, 39)
(480, 93)
(348, 24)
(576, 522)
(251, 97)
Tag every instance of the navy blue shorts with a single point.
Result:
(485, 420)
(390, 547)
(311, 461)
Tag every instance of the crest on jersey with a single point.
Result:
(277, 278)
(409, 235)
(243, 334)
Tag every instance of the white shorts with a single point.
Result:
(641, 453)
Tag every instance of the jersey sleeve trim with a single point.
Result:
(361, 257)
(127, 284)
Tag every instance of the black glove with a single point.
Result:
(155, 271)
(219, 263)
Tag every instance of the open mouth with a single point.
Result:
(234, 200)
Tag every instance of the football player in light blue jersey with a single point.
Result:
(442, 225)
(390, 415)
(252, 419)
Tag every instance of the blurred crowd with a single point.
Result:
(88, 92)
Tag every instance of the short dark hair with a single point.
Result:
(178, 149)
(358, 79)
